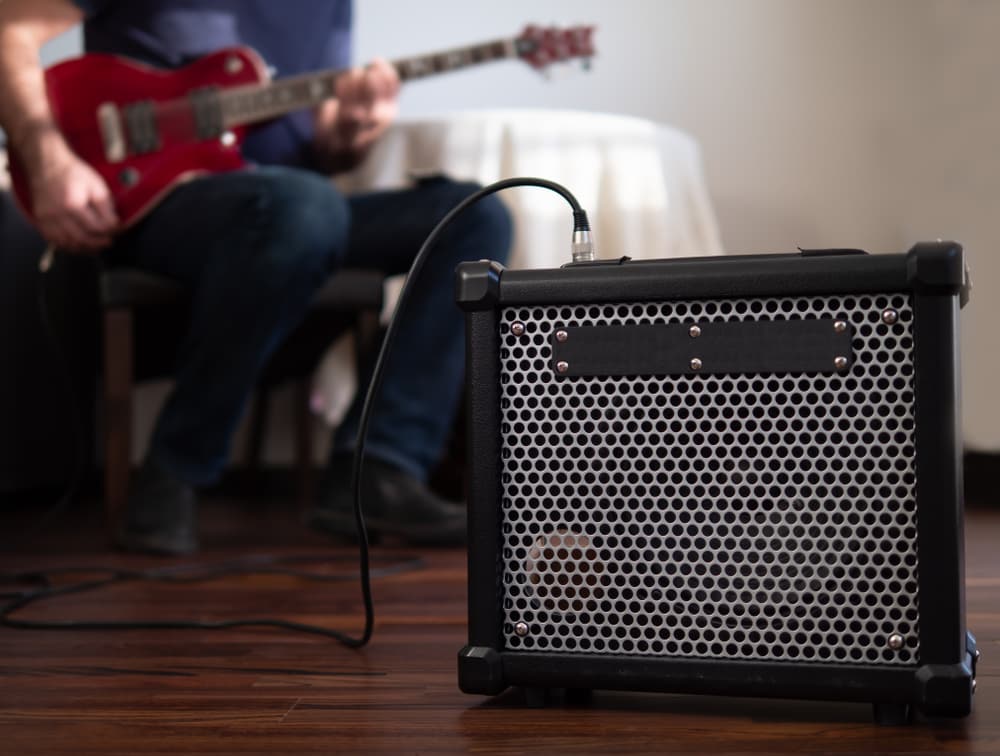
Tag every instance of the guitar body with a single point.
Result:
(79, 88)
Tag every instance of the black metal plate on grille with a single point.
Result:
(758, 346)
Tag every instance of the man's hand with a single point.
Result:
(72, 205)
(367, 102)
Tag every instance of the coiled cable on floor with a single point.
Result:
(582, 249)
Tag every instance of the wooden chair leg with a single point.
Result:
(117, 409)
(366, 332)
(303, 442)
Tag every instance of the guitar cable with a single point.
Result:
(582, 250)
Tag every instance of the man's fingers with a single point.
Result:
(95, 222)
(383, 77)
(79, 227)
(102, 210)
(68, 232)
(350, 85)
(367, 85)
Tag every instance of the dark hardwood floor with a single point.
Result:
(257, 691)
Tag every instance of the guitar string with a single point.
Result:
(263, 99)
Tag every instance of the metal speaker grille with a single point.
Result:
(757, 516)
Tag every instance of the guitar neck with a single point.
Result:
(260, 102)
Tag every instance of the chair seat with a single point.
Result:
(351, 290)
(128, 287)
(144, 322)
(158, 306)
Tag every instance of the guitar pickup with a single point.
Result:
(207, 110)
(110, 123)
(140, 122)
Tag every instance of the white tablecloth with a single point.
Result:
(640, 182)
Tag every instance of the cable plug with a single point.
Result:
(583, 247)
(45, 262)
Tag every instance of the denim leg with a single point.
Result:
(416, 407)
(253, 246)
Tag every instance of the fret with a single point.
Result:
(249, 104)
(258, 102)
(451, 60)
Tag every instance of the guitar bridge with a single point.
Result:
(110, 124)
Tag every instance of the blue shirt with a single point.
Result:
(293, 36)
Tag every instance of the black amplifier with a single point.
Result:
(736, 475)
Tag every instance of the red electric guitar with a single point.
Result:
(144, 130)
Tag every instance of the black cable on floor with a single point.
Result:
(579, 221)
(580, 224)
(189, 573)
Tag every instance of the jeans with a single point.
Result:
(253, 246)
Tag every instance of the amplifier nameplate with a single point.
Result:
(739, 347)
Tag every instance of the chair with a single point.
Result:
(142, 321)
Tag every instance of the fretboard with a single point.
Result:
(260, 102)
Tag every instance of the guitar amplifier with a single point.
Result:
(736, 475)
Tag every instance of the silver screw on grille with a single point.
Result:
(694, 332)
(521, 628)
(896, 641)
(561, 335)
(840, 362)
(695, 363)
(839, 326)
(562, 366)
(889, 316)
(517, 328)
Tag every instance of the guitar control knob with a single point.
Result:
(227, 138)
(129, 177)
(234, 64)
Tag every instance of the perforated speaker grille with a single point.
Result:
(758, 516)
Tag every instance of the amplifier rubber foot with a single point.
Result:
(536, 698)
(891, 714)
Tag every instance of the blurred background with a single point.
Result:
(829, 123)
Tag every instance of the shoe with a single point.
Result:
(160, 515)
(394, 504)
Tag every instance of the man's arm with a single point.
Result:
(71, 202)
(347, 127)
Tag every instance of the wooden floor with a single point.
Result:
(280, 692)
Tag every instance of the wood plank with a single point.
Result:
(257, 691)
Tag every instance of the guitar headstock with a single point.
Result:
(541, 46)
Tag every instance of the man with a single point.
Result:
(253, 245)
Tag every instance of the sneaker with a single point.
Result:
(160, 515)
(394, 503)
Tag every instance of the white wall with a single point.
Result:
(863, 123)
(867, 123)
